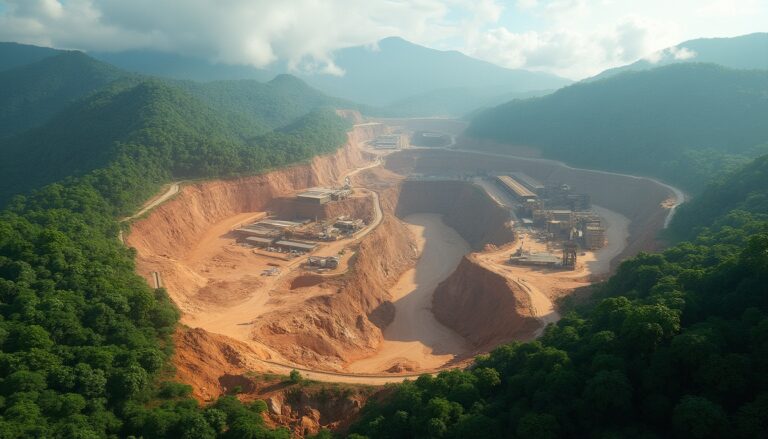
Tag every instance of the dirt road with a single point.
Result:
(173, 189)
(415, 338)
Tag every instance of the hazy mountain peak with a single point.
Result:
(743, 52)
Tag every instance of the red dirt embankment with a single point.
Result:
(329, 330)
(202, 359)
(465, 207)
(175, 228)
(483, 306)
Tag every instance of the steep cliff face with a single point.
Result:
(483, 306)
(464, 206)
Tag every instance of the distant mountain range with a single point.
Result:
(398, 70)
(400, 77)
(742, 52)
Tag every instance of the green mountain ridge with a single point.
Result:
(686, 122)
(15, 54)
(742, 52)
(32, 93)
(398, 69)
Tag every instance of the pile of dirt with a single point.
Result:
(483, 306)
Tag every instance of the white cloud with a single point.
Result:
(574, 38)
(255, 32)
(682, 53)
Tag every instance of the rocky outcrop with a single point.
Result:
(483, 306)
(306, 411)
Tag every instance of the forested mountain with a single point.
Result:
(252, 107)
(731, 203)
(673, 345)
(68, 114)
(174, 66)
(31, 93)
(398, 69)
(686, 123)
(742, 52)
(151, 119)
(15, 54)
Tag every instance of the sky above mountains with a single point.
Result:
(571, 38)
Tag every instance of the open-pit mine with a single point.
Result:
(385, 260)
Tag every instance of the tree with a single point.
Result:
(698, 417)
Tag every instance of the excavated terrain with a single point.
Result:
(387, 312)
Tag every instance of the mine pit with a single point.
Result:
(366, 266)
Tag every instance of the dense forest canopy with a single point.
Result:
(686, 123)
(31, 94)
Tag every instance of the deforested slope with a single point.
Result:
(683, 122)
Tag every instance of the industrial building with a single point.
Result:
(322, 195)
(323, 261)
(298, 246)
(529, 182)
(388, 141)
(535, 259)
(257, 231)
(348, 225)
(594, 237)
(515, 188)
(277, 224)
(260, 242)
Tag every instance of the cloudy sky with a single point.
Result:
(572, 38)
